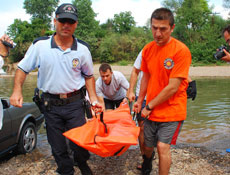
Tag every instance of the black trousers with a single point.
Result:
(58, 120)
(112, 104)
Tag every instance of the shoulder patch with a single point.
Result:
(41, 38)
(84, 43)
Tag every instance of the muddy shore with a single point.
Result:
(186, 160)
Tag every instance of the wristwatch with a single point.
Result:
(94, 103)
(148, 108)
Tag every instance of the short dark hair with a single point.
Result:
(104, 67)
(227, 29)
(163, 14)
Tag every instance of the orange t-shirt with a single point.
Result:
(162, 63)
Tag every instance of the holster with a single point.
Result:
(86, 104)
(37, 100)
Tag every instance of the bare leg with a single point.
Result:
(141, 136)
(164, 158)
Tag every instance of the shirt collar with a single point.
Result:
(54, 45)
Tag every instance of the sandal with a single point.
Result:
(139, 167)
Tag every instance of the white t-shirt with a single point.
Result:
(1, 62)
(137, 65)
(1, 65)
(1, 114)
(116, 90)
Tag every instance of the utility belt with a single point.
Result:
(62, 99)
(47, 100)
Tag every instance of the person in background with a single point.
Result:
(165, 66)
(135, 79)
(4, 52)
(65, 68)
(5, 44)
(226, 34)
(111, 87)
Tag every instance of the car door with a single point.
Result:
(6, 135)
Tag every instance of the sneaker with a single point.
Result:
(84, 168)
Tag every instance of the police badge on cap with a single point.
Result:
(67, 11)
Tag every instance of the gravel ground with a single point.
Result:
(185, 161)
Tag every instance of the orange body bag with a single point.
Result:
(110, 135)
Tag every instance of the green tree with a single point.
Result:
(23, 33)
(123, 22)
(41, 9)
(116, 47)
(197, 27)
(87, 25)
(173, 5)
(88, 28)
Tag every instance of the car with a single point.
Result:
(20, 127)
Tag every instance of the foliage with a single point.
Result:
(119, 40)
(24, 33)
(123, 22)
(123, 63)
(116, 47)
(199, 29)
(18, 52)
(88, 28)
(173, 5)
(41, 9)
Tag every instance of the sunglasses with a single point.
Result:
(66, 20)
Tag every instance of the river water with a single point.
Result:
(208, 120)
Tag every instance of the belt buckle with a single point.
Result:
(63, 96)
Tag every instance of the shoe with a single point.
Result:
(146, 165)
(139, 167)
(84, 168)
(228, 150)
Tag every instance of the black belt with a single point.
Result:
(62, 99)
(63, 96)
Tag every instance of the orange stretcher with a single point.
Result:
(111, 134)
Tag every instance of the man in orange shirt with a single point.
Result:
(165, 63)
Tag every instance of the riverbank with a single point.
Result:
(194, 72)
(200, 71)
(185, 161)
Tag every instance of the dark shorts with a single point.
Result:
(165, 132)
(112, 104)
(139, 117)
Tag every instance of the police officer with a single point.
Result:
(64, 67)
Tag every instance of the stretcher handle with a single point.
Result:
(101, 119)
